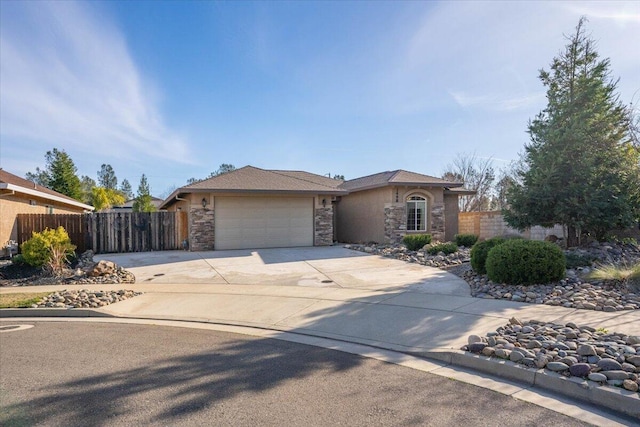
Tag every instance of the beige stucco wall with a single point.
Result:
(451, 211)
(360, 215)
(11, 206)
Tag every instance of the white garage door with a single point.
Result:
(263, 222)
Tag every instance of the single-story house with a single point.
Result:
(21, 196)
(258, 208)
(128, 205)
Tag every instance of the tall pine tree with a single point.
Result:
(60, 174)
(107, 177)
(580, 168)
(143, 201)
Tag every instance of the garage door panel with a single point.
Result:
(263, 222)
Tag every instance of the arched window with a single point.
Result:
(416, 213)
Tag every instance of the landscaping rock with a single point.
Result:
(630, 385)
(84, 298)
(574, 291)
(580, 369)
(601, 356)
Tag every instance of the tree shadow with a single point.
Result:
(190, 383)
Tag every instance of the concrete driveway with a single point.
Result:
(316, 267)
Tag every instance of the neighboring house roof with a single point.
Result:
(250, 179)
(155, 201)
(396, 177)
(11, 182)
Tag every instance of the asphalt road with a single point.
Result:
(92, 374)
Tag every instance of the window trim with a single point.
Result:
(416, 199)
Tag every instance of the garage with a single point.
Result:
(263, 222)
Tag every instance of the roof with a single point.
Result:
(9, 181)
(250, 179)
(396, 177)
(129, 203)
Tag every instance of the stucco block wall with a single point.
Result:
(491, 224)
(11, 206)
(361, 216)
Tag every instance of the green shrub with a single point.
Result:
(49, 248)
(447, 248)
(466, 240)
(415, 242)
(18, 260)
(479, 253)
(525, 262)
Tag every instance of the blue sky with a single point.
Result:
(174, 89)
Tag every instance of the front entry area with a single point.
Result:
(263, 222)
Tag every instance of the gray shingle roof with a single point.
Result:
(396, 177)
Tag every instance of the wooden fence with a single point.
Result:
(112, 231)
(74, 224)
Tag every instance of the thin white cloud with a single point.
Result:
(496, 102)
(68, 79)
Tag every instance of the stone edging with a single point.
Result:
(616, 399)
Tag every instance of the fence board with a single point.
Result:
(106, 232)
(72, 223)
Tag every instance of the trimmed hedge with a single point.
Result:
(479, 253)
(466, 240)
(447, 248)
(525, 262)
(415, 242)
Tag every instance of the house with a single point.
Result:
(20, 196)
(386, 206)
(128, 205)
(258, 208)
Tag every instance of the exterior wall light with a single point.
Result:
(204, 202)
(324, 203)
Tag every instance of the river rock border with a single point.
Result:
(574, 291)
(84, 298)
(595, 355)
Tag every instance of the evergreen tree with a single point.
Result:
(60, 174)
(87, 185)
(107, 177)
(125, 189)
(580, 167)
(142, 203)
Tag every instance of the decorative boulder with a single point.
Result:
(102, 268)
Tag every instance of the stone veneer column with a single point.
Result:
(437, 222)
(395, 223)
(323, 226)
(201, 229)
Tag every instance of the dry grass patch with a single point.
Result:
(21, 300)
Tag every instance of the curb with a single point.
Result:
(51, 312)
(622, 401)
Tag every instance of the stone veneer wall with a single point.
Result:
(437, 222)
(395, 223)
(201, 229)
(323, 226)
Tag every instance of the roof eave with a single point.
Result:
(184, 191)
(43, 195)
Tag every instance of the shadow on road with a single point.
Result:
(191, 383)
